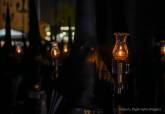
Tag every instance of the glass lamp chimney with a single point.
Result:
(119, 62)
(120, 50)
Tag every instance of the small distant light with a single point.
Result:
(37, 87)
(55, 51)
(73, 33)
(48, 33)
(2, 43)
(47, 38)
(73, 28)
(27, 43)
(12, 43)
(61, 35)
(65, 38)
(18, 50)
(64, 28)
(64, 33)
(65, 49)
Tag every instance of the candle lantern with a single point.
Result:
(55, 51)
(55, 54)
(18, 50)
(120, 66)
(120, 50)
(66, 50)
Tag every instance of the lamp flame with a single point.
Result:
(18, 50)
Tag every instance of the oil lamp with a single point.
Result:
(18, 50)
(120, 62)
(66, 49)
(55, 51)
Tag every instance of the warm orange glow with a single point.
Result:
(120, 50)
(18, 50)
(37, 87)
(55, 52)
(162, 47)
(120, 53)
(65, 50)
(162, 50)
(91, 58)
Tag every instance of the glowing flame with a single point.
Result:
(18, 50)
(55, 52)
(65, 49)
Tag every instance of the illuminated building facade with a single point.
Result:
(18, 14)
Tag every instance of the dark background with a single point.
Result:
(144, 21)
(95, 23)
